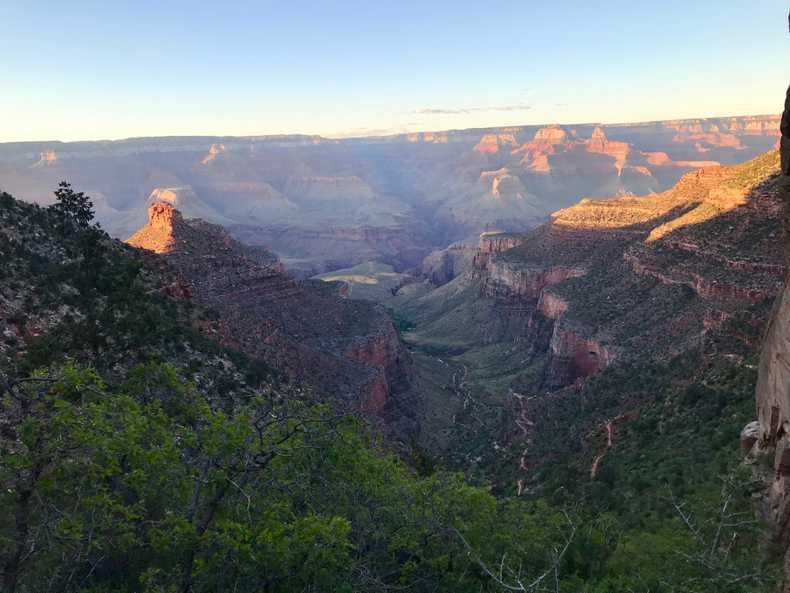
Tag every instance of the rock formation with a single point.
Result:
(491, 143)
(605, 288)
(771, 449)
(349, 349)
(214, 151)
(46, 158)
(297, 195)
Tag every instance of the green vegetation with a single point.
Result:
(373, 281)
(138, 455)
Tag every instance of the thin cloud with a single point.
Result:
(467, 110)
(363, 132)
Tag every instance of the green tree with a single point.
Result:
(73, 205)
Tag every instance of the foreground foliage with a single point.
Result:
(137, 456)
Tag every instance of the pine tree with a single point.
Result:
(74, 205)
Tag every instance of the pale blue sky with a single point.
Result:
(113, 69)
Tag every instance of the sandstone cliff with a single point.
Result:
(350, 350)
(302, 196)
(769, 440)
(540, 319)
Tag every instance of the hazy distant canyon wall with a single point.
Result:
(322, 203)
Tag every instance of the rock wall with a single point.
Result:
(347, 350)
(574, 356)
(571, 355)
(771, 448)
(504, 279)
(442, 266)
(381, 352)
(705, 288)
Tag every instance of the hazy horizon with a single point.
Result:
(351, 136)
(92, 71)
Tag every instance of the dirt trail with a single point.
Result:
(609, 427)
(524, 424)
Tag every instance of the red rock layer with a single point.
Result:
(344, 348)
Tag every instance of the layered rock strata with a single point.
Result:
(769, 440)
(350, 350)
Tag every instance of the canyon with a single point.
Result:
(322, 204)
(529, 319)
(350, 352)
(600, 348)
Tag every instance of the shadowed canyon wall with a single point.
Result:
(769, 438)
(327, 204)
(348, 349)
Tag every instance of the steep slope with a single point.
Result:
(321, 203)
(138, 453)
(72, 295)
(766, 440)
(607, 287)
(347, 349)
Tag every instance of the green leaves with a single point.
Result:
(147, 484)
(73, 205)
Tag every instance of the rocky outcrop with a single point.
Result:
(158, 235)
(555, 149)
(571, 356)
(551, 135)
(574, 356)
(46, 159)
(491, 143)
(495, 242)
(382, 353)
(712, 289)
(443, 265)
(214, 151)
(771, 449)
(600, 144)
(551, 306)
(505, 279)
(348, 349)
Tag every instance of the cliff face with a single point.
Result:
(502, 278)
(606, 289)
(571, 356)
(346, 349)
(769, 440)
(785, 140)
(643, 279)
(303, 196)
(634, 275)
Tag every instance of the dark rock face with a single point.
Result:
(771, 449)
(349, 350)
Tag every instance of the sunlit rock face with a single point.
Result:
(158, 235)
(672, 239)
(346, 348)
(46, 158)
(214, 151)
(492, 143)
